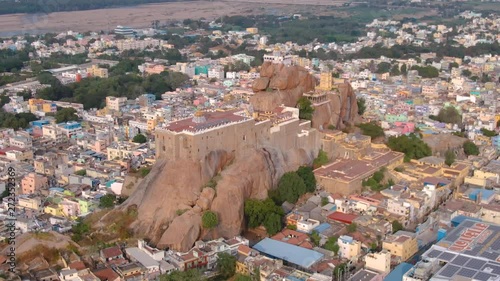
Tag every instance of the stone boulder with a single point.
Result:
(182, 232)
(260, 84)
(341, 110)
(287, 84)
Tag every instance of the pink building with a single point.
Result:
(32, 183)
(70, 208)
(404, 127)
(154, 69)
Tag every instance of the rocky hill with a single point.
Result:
(279, 84)
(171, 199)
(341, 110)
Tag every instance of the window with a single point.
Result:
(244, 137)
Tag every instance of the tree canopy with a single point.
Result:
(449, 157)
(307, 175)
(305, 108)
(361, 105)
(372, 130)
(263, 212)
(448, 114)
(65, 115)
(107, 201)
(291, 187)
(470, 148)
(321, 159)
(396, 226)
(226, 265)
(191, 275)
(139, 138)
(209, 220)
(412, 146)
(16, 121)
(426, 71)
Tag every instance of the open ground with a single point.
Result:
(142, 15)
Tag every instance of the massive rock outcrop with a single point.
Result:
(171, 199)
(279, 84)
(341, 110)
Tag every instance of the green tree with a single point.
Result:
(240, 277)
(291, 227)
(107, 201)
(191, 275)
(372, 130)
(339, 270)
(273, 223)
(79, 230)
(263, 212)
(383, 67)
(396, 226)
(307, 175)
(226, 265)
(488, 133)
(352, 227)
(470, 148)
(449, 157)
(412, 146)
(395, 70)
(449, 114)
(361, 106)
(291, 187)
(81, 172)
(139, 138)
(330, 244)
(315, 238)
(66, 115)
(466, 73)
(427, 71)
(321, 159)
(209, 220)
(324, 201)
(305, 108)
(404, 69)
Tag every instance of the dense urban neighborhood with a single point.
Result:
(229, 150)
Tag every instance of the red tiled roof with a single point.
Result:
(342, 217)
(244, 249)
(211, 119)
(106, 274)
(78, 265)
(112, 252)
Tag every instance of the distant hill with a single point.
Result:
(47, 7)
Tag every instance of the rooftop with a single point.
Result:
(290, 253)
(364, 275)
(206, 121)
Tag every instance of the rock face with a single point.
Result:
(171, 199)
(442, 142)
(279, 84)
(341, 110)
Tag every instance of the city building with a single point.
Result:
(32, 183)
(96, 71)
(401, 245)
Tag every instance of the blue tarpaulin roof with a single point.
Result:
(288, 252)
(398, 272)
(322, 227)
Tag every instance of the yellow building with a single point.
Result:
(152, 124)
(253, 30)
(380, 262)
(325, 82)
(402, 244)
(30, 203)
(54, 210)
(480, 177)
(96, 71)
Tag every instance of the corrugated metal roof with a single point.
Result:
(287, 252)
(398, 272)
